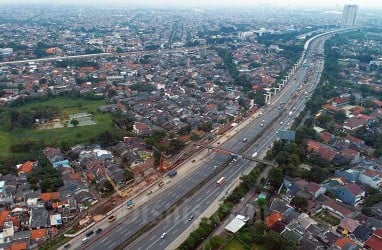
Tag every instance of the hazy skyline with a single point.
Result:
(336, 4)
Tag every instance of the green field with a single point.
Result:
(236, 245)
(53, 137)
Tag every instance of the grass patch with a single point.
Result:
(234, 245)
(54, 137)
(322, 216)
(55, 243)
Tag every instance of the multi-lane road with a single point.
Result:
(275, 117)
(175, 224)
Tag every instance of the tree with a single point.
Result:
(276, 177)
(262, 203)
(74, 122)
(215, 242)
(339, 116)
(194, 137)
(274, 241)
(299, 202)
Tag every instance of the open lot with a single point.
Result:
(54, 136)
(323, 216)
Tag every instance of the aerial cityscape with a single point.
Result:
(190, 125)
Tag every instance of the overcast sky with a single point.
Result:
(337, 4)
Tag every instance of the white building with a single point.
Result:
(349, 15)
(371, 178)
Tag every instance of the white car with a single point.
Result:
(163, 235)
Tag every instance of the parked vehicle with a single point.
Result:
(89, 233)
(99, 230)
(111, 218)
(161, 184)
(171, 173)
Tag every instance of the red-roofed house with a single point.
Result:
(3, 217)
(50, 196)
(313, 145)
(336, 208)
(354, 123)
(347, 226)
(141, 129)
(340, 101)
(354, 140)
(351, 154)
(314, 189)
(327, 153)
(326, 137)
(26, 167)
(19, 246)
(343, 242)
(272, 219)
(375, 241)
(38, 234)
(330, 108)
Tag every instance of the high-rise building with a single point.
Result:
(349, 15)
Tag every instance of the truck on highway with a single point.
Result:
(220, 181)
(171, 173)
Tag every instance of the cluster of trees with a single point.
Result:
(75, 63)
(93, 51)
(232, 69)
(12, 119)
(158, 141)
(45, 176)
(373, 197)
(26, 146)
(258, 234)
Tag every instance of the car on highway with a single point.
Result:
(163, 235)
(130, 204)
(111, 218)
(191, 218)
(262, 125)
(216, 166)
(90, 233)
(193, 160)
(84, 240)
(161, 184)
(281, 123)
(99, 230)
(245, 139)
(149, 192)
(67, 246)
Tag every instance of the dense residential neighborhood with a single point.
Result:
(82, 135)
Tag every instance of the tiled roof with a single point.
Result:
(337, 207)
(312, 187)
(19, 246)
(354, 188)
(38, 233)
(375, 241)
(50, 196)
(3, 217)
(272, 219)
(349, 224)
(344, 241)
(26, 167)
